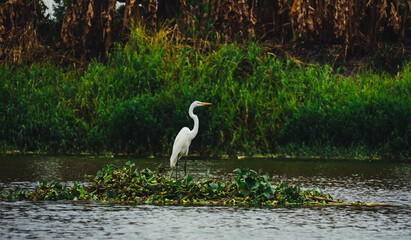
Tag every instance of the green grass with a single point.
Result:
(137, 101)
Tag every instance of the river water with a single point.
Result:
(378, 181)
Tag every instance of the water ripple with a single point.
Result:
(351, 181)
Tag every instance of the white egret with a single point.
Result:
(184, 137)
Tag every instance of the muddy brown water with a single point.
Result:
(351, 180)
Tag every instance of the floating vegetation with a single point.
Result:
(133, 186)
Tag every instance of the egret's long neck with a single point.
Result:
(195, 118)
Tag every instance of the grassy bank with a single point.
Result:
(137, 101)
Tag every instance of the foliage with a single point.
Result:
(33, 116)
(130, 185)
(137, 102)
(131, 125)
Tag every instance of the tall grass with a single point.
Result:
(138, 100)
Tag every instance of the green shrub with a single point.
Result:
(375, 125)
(132, 127)
(138, 100)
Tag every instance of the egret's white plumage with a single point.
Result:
(183, 140)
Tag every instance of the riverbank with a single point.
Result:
(297, 153)
(137, 101)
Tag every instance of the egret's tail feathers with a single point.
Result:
(173, 161)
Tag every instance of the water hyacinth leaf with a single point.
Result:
(110, 193)
(268, 196)
(243, 185)
(208, 175)
(188, 180)
(254, 184)
(238, 171)
(178, 183)
(17, 191)
(154, 196)
(129, 164)
(136, 173)
(99, 174)
(269, 189)
(147, 173)
(214, 186)
(75, 193)
(107, 170)
(249, 188)
(245, 192)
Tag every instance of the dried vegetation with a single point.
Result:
(18, 30)
(87, 29)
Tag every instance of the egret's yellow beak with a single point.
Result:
(205, 103)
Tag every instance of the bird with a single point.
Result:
(183, 139)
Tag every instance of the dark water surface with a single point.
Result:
(383, 182)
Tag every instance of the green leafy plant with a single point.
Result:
(136, 101)
(130, 185)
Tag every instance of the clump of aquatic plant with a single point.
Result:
(130, 185)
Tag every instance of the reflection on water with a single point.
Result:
(348, 180)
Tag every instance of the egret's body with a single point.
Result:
(183, 140)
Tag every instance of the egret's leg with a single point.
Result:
(185, 166)
(176, 170)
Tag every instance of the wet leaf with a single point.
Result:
(188, 180)
(249, 188)
(110, 193)
(214, 186)
(129, 164)
(107, 179)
